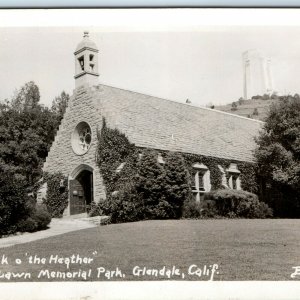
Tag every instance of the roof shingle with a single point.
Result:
(168, 125)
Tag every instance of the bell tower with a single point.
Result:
(86, 62)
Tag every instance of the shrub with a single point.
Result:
(126, 206)
(95, 209)
(234, 203)
(234, 106)
(42, 217)
(149, 185)
(38, 220)
(241, 101)
(57, 193)
(14, 202)
(191, 209)
(198, 210)
(27, 225)
(176, 182)
(208, 208)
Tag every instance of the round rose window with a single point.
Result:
(81, 138)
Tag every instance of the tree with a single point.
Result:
(13, 200)
(26, 98)
(241, 101)
(274, 96)
(27, 130)
(233, 106)
(278, 156)
(25, 139)
(59, 104)
(149, 184)
(18, 210)
(176, 183)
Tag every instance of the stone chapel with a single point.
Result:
(148, 122)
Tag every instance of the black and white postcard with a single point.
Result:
(149, 154)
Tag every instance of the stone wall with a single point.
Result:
(61, 157)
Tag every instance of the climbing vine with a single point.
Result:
(56, 199)
(128, 185)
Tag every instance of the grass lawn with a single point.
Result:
(243, 249)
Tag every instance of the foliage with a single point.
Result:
(261, 97)
(248, 171)
(59, 105)
(113, 149)
(42, 217)
(149, 185)
(27, 225)
(139, 187)
(191, 209)
(27, 130)
(255, 112)
(278, 156)
(57, 193)
(143, 188)
(241, 101)
(233, 106)
(38, 220)
(209, 210)
(125, 206)
(95, 209)
(234, 203)
(18, 210)
(176, 183)
(26, 98)
(14, 201)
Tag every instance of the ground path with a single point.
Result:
(56, 227)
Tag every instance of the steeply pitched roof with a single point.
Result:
(168, 125)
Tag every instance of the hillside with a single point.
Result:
(246, 108)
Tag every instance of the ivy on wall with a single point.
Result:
(119, 164)
(248, 170)
(57, 193)
(113, 150)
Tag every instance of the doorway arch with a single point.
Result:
(81, 187)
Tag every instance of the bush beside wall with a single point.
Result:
(38, 220)
(242, 204)
(14, 202)
(18, 210)
(57, 193)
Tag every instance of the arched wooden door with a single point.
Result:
(81, 192)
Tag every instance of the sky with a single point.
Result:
(202, 62)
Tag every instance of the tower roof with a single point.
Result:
(86, 43)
